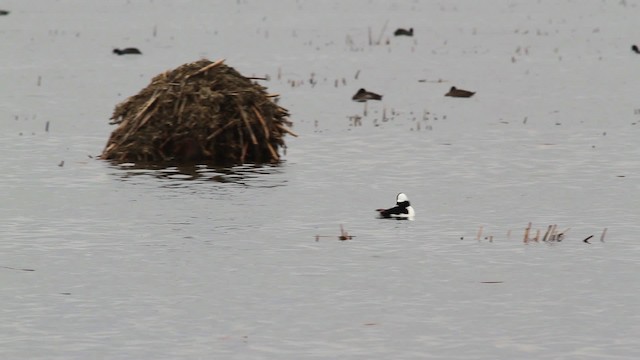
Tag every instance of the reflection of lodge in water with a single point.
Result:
(256, 176)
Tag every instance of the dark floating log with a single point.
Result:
(201, 112)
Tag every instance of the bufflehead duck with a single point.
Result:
(402, 210)
(453, 92)
(363, 95)
(126, 51)
(403, 32)
(635, 49)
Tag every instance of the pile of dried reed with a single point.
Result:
(202, 112)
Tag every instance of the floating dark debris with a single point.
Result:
(550, 236)
(203, 112)
(455, 92)
(17, 269)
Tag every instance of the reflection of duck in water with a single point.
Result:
(364, 95)
(635, 49)
(454, 92)
(404, 32)
(127, 51)
(402, 210)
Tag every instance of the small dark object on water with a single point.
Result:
(61, 163)
(454, 92)
(491, 282)
(363, 95)
(46, 127)
(635, 49)
(12, 268)
(587, 239)
(344, 235)
(404, 32)
(127, 51)
(4, 12)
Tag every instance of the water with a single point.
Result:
(106, 261)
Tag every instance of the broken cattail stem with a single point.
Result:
(562, 234)
(382, 32)
(553, 233)
(210, 66)
(147, 105)
(546, 235)
(344, 235)
(274, 154)
(287, 130)
(243, 154)
(526, 233)
(604, 232)
(219, 130)
(479, 235)
(262, 122)
(243, 115)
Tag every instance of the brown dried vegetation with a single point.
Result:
(203, 112)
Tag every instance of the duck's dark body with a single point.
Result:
(364, 95)
(127, 51)
(402, 211)
(403, 32)
(454, 92)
